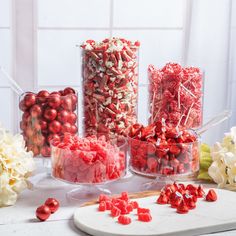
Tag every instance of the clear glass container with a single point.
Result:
(176, 94)
(110, 91)
(176, 161)
(46, 116)
(87, 167)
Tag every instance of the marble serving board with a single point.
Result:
(208, 217)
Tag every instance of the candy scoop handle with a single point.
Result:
(214, 121)
(15, 87)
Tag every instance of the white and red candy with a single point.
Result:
(184, 197)
(121, 207)
(110, 84)
(87, 160)
(160, 149)
(47, 116)
(176, 95)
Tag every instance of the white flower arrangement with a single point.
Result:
(16, 165)
(223, 167)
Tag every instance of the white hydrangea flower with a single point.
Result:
(16, 165)
(223, 167)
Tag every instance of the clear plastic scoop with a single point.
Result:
(14, 86)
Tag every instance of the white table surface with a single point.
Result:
(20, 219)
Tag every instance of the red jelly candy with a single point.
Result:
(211, 196)
(102, 206)
(108, 205)
(145, 217)
(134, 204)
(115, 211)
(124, 220)
(143, 210)
(103, 198)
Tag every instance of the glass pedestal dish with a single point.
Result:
(164, 162)
(89, 163)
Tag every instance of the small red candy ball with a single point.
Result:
(55, 127)
(63, 116)
(66, 128)
(22, 105)
(53, 204)
(54, 100)
(42, 96)
(68, 90)
(50, 114)
(36, 111)
(30, 99)
(72, 118)
(43, 124)
(73, 129)
(66, 103)
(43, 212)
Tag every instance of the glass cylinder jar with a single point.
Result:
(176, 95)
(110, 86)
(46, 116)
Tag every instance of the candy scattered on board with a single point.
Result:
(205, 217)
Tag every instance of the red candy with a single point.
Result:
(53, 204)
(47, 114)
(145, 217)
(211, 196)
(43, 212)
(121, 206)
(182, 208)
(124, 220)
(160, 149)
(110, 84)
(176, 95)
(87, 160)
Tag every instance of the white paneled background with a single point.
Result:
(169, 30)
(6, 99)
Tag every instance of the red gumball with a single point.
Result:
(63, 116)
(30, 99)
(73, 129)
(68, 90)
(42, 96)
(43, 124)
(50, 114)
(53, 204)
(54, 100)
(22, 105)
(45, 151)
(55, 127)
(72, 118)
(66, 128)
(36, 111)
(25, 116)
(43, 212)
(66, 103)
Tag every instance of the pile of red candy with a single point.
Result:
(176, 95)
(87, 160)
(184, 198)
(160, 149)
(122, 206)
(110, 84)
(46, 116)
(44, 211)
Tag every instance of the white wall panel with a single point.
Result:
(73, 13)
(148, 13)
(6, 104)
(58, 57)
(157, 47)
(5, 13)
(5, 53)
